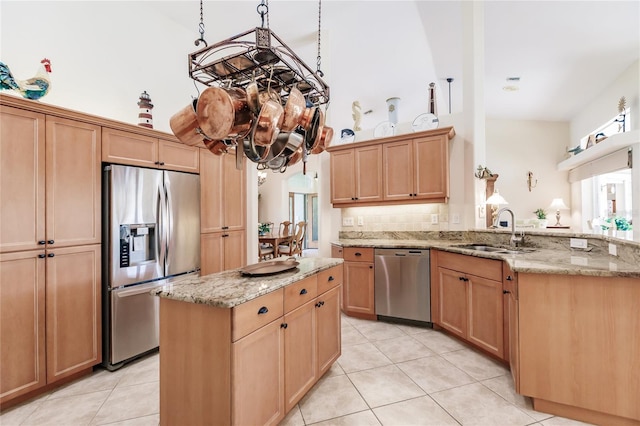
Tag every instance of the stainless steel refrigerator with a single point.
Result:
(151, 230)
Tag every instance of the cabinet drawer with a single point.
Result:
(329, 278)
(256, 313)
(358, 254)
(299, 293)
(485, 268)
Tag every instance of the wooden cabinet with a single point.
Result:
(467, 299)
(222, 212)
(511, 339)
(50, 219)
(410, 168)
(359, 287)
(74, 321)
(122, 147)
(280, 344)
(336, 251)
(356, 175)
(417, 169)
(22, 323)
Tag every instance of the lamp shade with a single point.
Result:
(558, 204)
(496, 198)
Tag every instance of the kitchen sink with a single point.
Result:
(494, 249)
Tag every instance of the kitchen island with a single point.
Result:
(244, 350)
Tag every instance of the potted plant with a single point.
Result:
(263, 228)
(541, 214)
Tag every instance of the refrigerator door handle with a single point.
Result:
(168, 222)
(162, 237)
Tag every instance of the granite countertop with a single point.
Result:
(230, 288)
(550, 257)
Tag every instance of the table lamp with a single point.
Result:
(495, 200)
(557, 204)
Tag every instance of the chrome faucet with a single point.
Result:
(515, 240)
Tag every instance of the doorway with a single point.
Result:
(304, 207)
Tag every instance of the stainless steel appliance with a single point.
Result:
(403, 284)
(151, 230)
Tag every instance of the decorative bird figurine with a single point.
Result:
(33, 88)
(577, 150)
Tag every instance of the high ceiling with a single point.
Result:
(564, 52)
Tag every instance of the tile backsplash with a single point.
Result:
(409, 217)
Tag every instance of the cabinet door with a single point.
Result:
(211, 190)
(368, 163)
(431, 167)
(336, 251)
(73, 188)
(398, 171)
(211, 253)
(22, 175)
(129, 148)
(485, 327)
(257, 395)
(178, 156)
(233, 192)
(235, 251)
(74, 322)
(452, 309)
(22, 323)
(343, 177)
(300, 353)
(329, 329)
(514, 360)
(359, 288)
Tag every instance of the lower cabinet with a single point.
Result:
(280, 344)
(359, 285)
(467, 299)
(221, 251)
(50, 316)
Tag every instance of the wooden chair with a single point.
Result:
(286, 228)
(295, 248)
(265, 251)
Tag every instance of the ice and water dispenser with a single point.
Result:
(137, 244)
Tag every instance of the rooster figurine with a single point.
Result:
(33, 88)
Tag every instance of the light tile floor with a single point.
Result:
(388, 374)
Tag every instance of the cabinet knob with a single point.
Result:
(370, 266)
(50, 255)
(509, 278)
(162, 163)
(284, 325)
(41, 256)
(321, 303)
(50, 241)
(303, 291)
(263, 310)
(330, 278)
(42, 242)
(505, 292)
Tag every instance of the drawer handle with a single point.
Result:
(50, 255)
(330, 278)
(505, 292)
(50, 241)
(42, 242)
(284, 325)
(263, 310)
(358, 253)
(41, 256)
(303, 291)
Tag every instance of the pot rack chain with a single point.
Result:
(201, 28)
(263, 10)
(319, 58)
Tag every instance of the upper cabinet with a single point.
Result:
(410, 168)
(123, 147)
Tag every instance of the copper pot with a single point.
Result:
(293, 109)
(325, 139)
(267, 125)
(216, 147)
(314, 130)
(223, 113)
(306, 118)
(295, 157)
(286, 143)
(184, 124)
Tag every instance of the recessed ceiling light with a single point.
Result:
(510, 88)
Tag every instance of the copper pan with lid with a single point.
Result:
(223, 113)
(184, 125)
(325, 139)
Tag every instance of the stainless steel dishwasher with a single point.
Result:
(403, 284)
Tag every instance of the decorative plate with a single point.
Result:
(268, 268)
(425, 121)
(384, 129)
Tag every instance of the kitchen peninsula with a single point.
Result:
(243, 350)
(566, 320)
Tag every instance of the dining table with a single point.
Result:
(275, 240)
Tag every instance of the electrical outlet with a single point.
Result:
(578, 243)
(579, 260)
(434, 219)
(347, 221)
(455, 218)
(613, 249)
(360, 221)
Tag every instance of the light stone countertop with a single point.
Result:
(230, 288)
(549, 257)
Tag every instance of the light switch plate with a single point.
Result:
(360, 221)
(434, 219)
(347, 221)
(613, 249)
(578, 243)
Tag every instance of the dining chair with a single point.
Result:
(295, 246)
(265, 251)
(286, 228)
